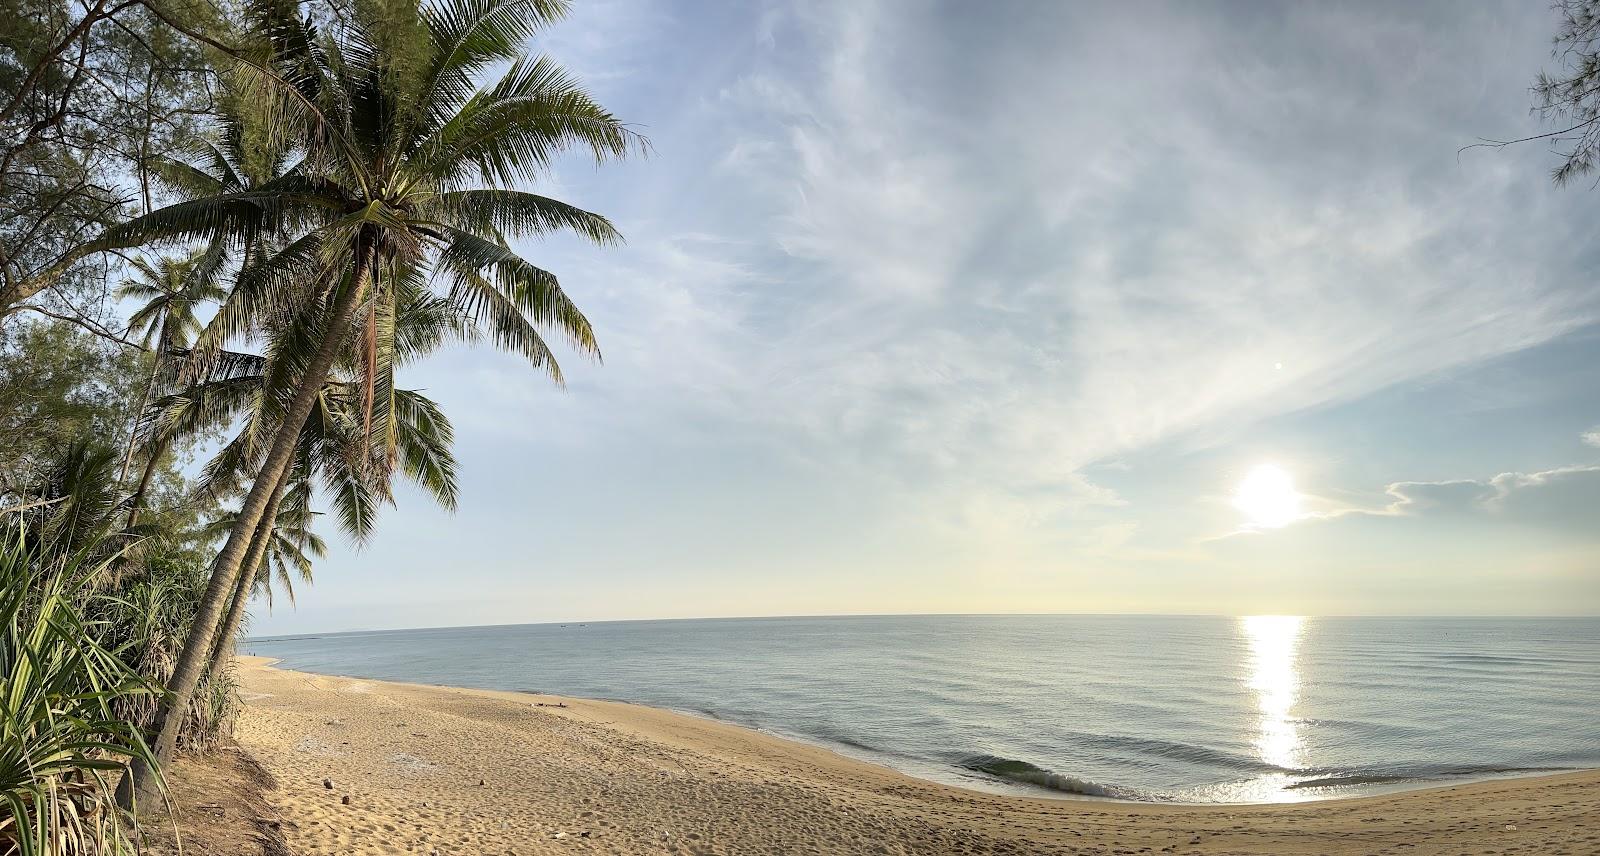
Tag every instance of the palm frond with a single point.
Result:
(518, 213)
(536, 293)
(513, 132)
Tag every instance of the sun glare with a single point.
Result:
(1274, 677)
(1267, 497)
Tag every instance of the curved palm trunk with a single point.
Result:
(223, 647)
(142, 779)
(136, 500)
(144, 401)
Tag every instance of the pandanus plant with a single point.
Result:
(406, 172)
(61, 742)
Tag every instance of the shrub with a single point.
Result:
(63, 745)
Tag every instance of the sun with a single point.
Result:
(1267, 497)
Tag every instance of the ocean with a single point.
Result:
(1153, 708)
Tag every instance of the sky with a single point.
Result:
(1033, 307)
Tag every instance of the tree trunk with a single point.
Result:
(136, 500)
(144, 402)
(15, 292)
(141, 782)
(253, 562)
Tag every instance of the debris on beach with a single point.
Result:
(328, 784)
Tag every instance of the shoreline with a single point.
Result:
(977, 783)
(487, 771)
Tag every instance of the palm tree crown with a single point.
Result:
(172, 289)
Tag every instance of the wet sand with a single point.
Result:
(458, 771)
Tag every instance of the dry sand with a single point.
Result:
(455, 771)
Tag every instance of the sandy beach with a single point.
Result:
(417, 769)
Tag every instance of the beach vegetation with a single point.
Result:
(402, 198)
(225, 230)
(64, 743)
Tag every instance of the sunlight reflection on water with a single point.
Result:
(1274, 677)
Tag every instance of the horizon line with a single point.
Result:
(1432, 616)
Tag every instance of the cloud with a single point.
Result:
(1416, 498)
(932, 285)
(960, 260)
(1574, 487)
(998, 274)
(1031, 290)
(1562, 498)
(1592, 437)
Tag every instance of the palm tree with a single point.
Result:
(70, 505)
(355, 466)
(334, 447)
(172, 289)
(353, 470)
(398, 143)
(287, 555)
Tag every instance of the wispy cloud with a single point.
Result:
(999, 279)
(980, 273)
(969, 274)
(1492, 496)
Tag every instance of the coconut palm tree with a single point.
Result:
(172, 289)
(406, 174)
(288, 554)
(70, 506)
(335, 449)
(355, 467)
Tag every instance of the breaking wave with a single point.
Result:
(1025, 773)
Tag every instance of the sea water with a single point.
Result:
(1158, 708)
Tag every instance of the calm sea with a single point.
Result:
(1192, 709)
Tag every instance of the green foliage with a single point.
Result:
(146, 616)
(58, 383)
(291, 548)
(172, 290)
(62, 744)
(394, 134)
(145, 583)
(71, 506)
(1569, 97)
(87, 92)
(356, 188)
